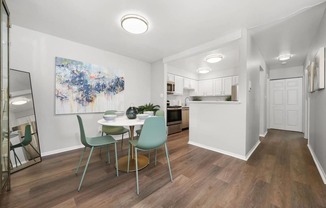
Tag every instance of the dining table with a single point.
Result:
(131, 123)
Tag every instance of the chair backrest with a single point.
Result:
(110, 112)
(159, 113)
(153, 133)
(111, 129)
(82, 132)
(28, 135)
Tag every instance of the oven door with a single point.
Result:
(174, 116)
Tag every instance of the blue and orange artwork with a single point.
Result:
(86, 88)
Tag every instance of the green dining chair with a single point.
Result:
(93, 142)
(157, 113)
(153, 135)
(114, 130)
(27, 141)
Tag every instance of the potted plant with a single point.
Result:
(148, 107)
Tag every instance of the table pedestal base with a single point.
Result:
(123, 163)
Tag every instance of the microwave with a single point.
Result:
(170, 87)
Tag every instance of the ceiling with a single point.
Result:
(174, 26)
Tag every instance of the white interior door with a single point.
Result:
(286, 104)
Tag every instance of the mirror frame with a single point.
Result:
(38, 159)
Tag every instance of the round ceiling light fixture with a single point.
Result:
(134, 24)
(284, 57)
(204, 70)
(214, 58)
(19, 101)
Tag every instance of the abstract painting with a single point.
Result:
(86, 88)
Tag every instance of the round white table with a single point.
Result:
(123, 161)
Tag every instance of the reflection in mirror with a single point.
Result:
(24, 142)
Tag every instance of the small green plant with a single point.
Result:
(148, 107)
(228, 98)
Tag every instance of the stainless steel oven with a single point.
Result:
(174, 119)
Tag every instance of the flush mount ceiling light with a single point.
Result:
(214, 58)
(204, 70)
(284, 57)
(134, 23)
(18, 101)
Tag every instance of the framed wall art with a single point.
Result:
(86, 88)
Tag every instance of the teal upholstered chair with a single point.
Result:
(25, 142)
(157, 113)
(93, 142)
(153, 135)
(114, 130)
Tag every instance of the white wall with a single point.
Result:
(35, 52)
(158, 84)
(254, 62)
(284, 73)
(317, 110)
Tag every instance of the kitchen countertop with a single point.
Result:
(214, 102)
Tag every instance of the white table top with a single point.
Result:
(122, 121)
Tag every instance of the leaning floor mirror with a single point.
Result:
(24, 141)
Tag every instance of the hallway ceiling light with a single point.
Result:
(214, 58)
(284, 57)
(204, 70)
(18, 101)
(134, 23)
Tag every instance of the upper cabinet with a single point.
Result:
(170, 77)
(178, 80)
(205, 87)
(216, 87)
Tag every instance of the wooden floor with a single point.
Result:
(280, 173)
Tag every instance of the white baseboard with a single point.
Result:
(263, 135)
(319, 167)
(241, 157)
(252, 150)
(61, 150)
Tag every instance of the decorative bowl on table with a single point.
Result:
(109, 117)
(119, 113)
(150, 113)
(142, 116)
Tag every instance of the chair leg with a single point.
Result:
(82, 179)
(80, 160)
(128, 165)
(35, 150)
(108, 155)
(155, 157)
(121, 140)
(137, 184)
(116, 159)
(168, 160)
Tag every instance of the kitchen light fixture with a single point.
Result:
(134, 23)
(18, 101)
(284, 57)
(204, 70)
(214, 58)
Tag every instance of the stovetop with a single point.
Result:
(174, 106)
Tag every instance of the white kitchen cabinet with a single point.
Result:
(186, 83)
(205, 87)
(189, 84)
(218, 86)
(178, 81)
(194, 86)
(227, 84)
(235, 80)
(170, 77)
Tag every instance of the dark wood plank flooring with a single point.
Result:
(280, 173)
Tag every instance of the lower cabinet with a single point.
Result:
(185, 118)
